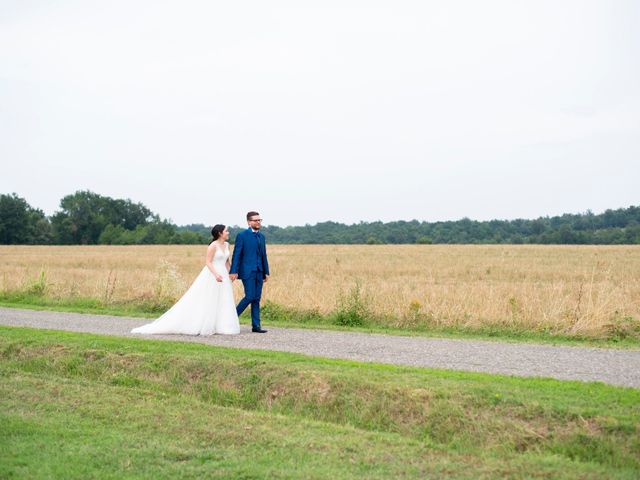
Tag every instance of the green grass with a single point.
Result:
(87, 406)
(276, 315)
(82, 305)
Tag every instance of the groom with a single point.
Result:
(250, 264)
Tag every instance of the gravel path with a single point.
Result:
(616, 367)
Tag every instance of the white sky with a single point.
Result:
(323, 110)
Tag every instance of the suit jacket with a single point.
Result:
(249, 254)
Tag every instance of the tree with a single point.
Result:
(85, 215)
(88, 218)
(20, 223)
(112, 235)
(189, 238)
(82, 218)
(14, 216)
(40, 231)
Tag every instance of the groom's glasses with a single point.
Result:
(256, 220)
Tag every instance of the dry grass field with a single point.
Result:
(561, 289)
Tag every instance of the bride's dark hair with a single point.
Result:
(216, 231)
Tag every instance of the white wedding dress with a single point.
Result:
(206, 308)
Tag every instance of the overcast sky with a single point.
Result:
(323, 110)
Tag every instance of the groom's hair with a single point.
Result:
(251, 214)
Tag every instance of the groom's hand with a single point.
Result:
(266, 278)
(233, 276)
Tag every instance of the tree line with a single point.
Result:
(87, 218)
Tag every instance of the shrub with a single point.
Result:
(37, 287)
(352, 309)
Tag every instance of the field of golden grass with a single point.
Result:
(569, 289)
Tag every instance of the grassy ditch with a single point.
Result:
(152, 408)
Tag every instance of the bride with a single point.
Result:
(208, 306)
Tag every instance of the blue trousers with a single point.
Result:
(252, 294)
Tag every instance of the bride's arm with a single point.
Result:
(211, 250)
(228, 264)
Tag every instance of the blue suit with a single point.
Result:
(250, 263)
